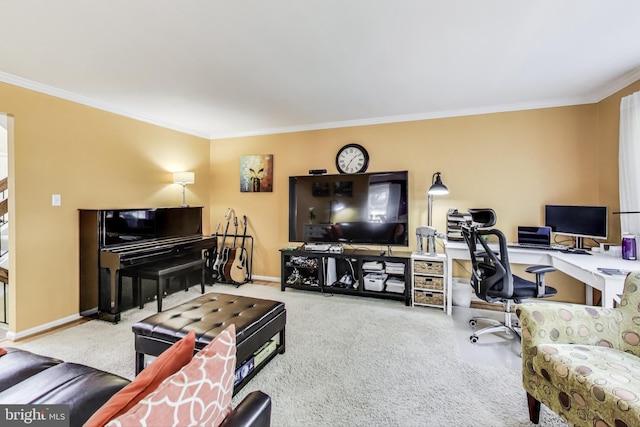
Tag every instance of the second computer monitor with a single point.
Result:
(577, 221)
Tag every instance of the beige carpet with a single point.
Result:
(349, 362)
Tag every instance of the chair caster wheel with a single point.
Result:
(473, 323)
(473, 339)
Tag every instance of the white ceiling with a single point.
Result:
(220, 68)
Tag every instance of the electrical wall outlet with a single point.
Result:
(56, 200)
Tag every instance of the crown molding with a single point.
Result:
(413, 117)
(617, 85)
(90, 102)
(604, 92)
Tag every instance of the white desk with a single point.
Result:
(581, 267)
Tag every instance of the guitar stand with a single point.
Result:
(248, 245)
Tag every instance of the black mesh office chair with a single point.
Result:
(491, 277)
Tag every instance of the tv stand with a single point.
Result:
(365, 273)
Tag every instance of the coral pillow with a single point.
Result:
(165, 365)
(197, 395)
(3, 351)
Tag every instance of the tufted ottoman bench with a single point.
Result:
(258, 322)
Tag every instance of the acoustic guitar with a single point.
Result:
(219, 264)
(239, 267)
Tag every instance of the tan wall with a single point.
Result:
(514, 162)
(94, 159)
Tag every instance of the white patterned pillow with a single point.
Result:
(198, 394)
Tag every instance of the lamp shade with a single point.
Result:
(184, 178)
(437, 187)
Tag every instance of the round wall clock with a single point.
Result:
(352, 158)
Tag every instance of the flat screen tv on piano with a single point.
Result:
(123, 226)
(115, 239)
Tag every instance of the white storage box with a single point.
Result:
(461, 292)
(395, 285)
(394, 267)
(374, 281)
(372, 266)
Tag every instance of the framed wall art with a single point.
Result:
(256, 173)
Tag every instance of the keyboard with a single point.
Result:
(537, 247)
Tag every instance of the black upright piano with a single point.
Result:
(115, 239)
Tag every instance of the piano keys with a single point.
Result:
(116, 239)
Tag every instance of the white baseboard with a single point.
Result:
(266, 278)
(14, 336)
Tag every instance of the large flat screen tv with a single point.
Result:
(366, 208)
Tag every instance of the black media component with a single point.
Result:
(308, 270)
(317, 171)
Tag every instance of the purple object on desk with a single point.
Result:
(629, 247)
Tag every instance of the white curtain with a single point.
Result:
(629, 163)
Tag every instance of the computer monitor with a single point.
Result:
(577, 221)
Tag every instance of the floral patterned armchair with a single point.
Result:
(583, 362)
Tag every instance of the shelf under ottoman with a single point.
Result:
(257, 322)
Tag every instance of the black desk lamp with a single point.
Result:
(437, 189)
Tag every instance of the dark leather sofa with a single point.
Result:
(28, 378)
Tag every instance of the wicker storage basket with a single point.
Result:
(436, 283)
(428, 298)
(428, 267)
